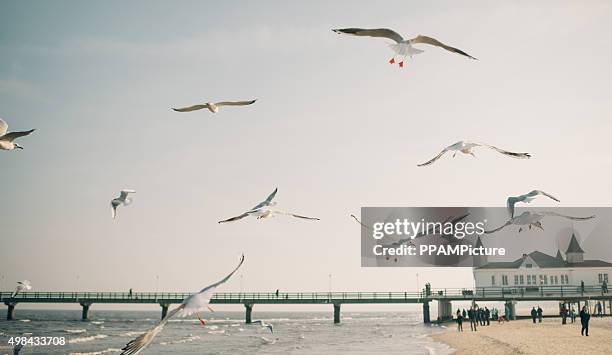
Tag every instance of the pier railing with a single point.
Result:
(514, 292)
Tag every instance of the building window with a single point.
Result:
(505, 280)
(492, 280)
(529, 266)
(516, 279)
(564, 280)
(556, 282)
(602, 278)
(521, 280)
(533, 280)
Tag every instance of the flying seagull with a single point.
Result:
(534, 219)
(21, 286)
(262, 210)
(214, 106)
(264, 324)
(466, 147)
(402, 47)
(190, 305)
(528, 197)
(7, 139)
(123, 199)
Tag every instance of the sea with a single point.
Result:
(226, 333)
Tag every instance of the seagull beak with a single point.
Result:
(18, 147)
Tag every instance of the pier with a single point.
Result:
(443, 298)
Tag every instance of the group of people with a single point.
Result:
(564, 312)
(536, 313)
(478, 316)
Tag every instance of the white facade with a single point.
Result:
(539, 269)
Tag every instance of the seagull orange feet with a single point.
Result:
(392, 60)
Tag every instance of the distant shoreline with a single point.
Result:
(524, 337)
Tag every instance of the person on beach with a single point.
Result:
(487, 313)
(472, 315)
(464, 314)
(584, 319)
(534, 314)
(572, 314)
(598, 307)
(563, 314)
(539, 314)
(482, 316)
(506, 313)
(459, 321)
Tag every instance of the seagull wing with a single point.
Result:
(375, 32)
(508, 153)
(190, 108)
(235, 103)
(434, 158)
(125, 193)
(510, 202)
(14, 135)
(260, 322)
(267, 201)
(358, 221)
(234, 218)
(296, 215)
(509, 222)
(3, 127)
(223, 280)
(139, 344)
(566, 216)
(435, 42)
(540, 192)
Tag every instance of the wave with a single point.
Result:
(86, 339)
(130, 334)
(75, 331)
(189, 339)
(25, 320)
(105, 351)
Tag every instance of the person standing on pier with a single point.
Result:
(604, 287)
(584, 319)
(459, 321)
(130, 293)
(539, 314)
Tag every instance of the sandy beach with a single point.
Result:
(524, 337)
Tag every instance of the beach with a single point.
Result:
(524, 337)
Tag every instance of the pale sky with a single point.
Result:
(335, 128)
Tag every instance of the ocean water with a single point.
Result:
(226, 333)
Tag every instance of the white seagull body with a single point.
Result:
(402, 47)
(466, 147)
(7, 138)
(22, 286)
(123, 199)
(262, 211)
(526, 198)
(214, 106)
(265, 325)
(534, 219)
(192, 304)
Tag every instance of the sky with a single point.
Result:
(335, 128)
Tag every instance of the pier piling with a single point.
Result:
(10, 313)
(249, 309)
(85, 313)
(336, 313)
(426, 318)
(164, 308)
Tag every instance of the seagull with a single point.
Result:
(402, 47)
(262, 211)
(6, 139)
(190, 305)
(123, 199)
(466, 147)
(528, 197)
(214, 106)
(358, 221)
(21, 286)
(264, 324)
(534, 219)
